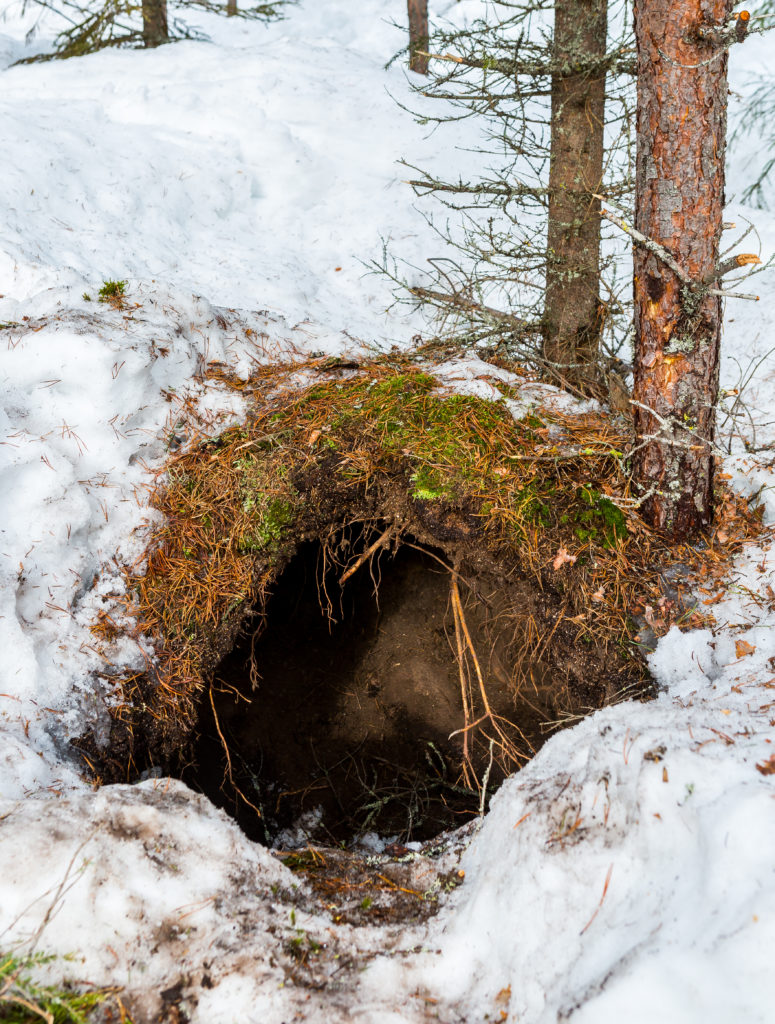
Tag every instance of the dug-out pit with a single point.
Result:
(391, 699)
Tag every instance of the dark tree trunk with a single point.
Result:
(154, 22)
(418, 36)
(681, 125)
(231, 8)
(572, 311)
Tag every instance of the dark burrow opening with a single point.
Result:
(393, 702)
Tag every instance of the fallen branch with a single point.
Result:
(493, 189)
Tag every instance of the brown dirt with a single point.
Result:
(359, 695)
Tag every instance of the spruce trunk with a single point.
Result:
(155, 30)
(418, 36)
(681, 129)
(572, 311)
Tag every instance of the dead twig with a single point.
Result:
(461, 302)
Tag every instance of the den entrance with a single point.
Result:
(385, 697)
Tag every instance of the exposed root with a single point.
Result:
(511, 754)
(228, 773)
(381, 542)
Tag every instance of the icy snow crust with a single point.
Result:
(626, 873)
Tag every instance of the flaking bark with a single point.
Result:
(572, 313)
(681, 133)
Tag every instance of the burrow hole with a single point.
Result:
(342, 711)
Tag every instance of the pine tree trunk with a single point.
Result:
(418, 36)
(681, 127)
(572, 310)
(231, 8)
(154, 22)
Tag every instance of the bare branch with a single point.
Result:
(648, 243)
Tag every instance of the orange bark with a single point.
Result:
(682, 101)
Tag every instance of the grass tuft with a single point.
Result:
(23, 1000)
(112, 292)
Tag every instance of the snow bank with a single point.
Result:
(261, 172)
(627, 869)
(100, 856)
(84, 410)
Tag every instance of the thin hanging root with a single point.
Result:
(228, 773)
(469, 775)
(382, 541)
(224, 744)
(507, 747)
(321, 583)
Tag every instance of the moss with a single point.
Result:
(535, 505)
(531, 422)
(272, 517)
(268, 501)
(428, 485)
(453, 444)
(598, 519)
(452, 448)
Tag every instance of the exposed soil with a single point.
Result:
(356, 721)
(372, 601)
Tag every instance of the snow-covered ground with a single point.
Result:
(237, 184)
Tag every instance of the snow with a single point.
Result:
(238, 186)
(686, 858)
(234, 168)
